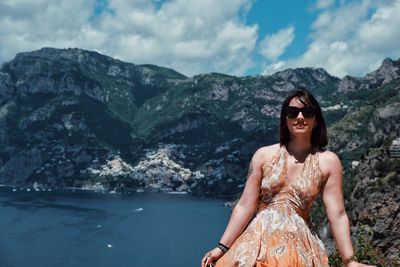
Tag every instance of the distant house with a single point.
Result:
(355, 164)
(394, 148)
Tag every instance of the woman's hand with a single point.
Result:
(211, 257)
(357, 264)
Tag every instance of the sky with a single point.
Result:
(236, 37)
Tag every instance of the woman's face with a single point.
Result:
(300, 125)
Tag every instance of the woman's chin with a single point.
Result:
(300, 131)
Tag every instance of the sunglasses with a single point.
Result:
(293, 112)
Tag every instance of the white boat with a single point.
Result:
(138, 209)
(177, 193)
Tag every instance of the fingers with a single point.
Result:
(206, 260)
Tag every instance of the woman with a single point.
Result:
(283, 181)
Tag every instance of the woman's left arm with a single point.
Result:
(332, 197)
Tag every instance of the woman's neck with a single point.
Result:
(299, 146)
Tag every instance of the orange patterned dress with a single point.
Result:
(281, 233)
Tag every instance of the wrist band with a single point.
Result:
(350, 259)
(223, 247)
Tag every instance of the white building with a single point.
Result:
(394, 149)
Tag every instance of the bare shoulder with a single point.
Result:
(329, 162)
(266, 153)
(329, 157)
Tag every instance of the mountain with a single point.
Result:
(388, 71)
(76, 118)
(67, 114)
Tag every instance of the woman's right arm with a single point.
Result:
(245, 208)
(248, 202)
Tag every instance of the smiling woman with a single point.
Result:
(284, 180)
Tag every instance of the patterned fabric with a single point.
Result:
(281, 233)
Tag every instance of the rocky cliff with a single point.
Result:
(375, 200)
(67, 113)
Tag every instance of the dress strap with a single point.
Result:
(318, 170)
(276, 155)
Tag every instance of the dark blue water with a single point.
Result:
(92, 229)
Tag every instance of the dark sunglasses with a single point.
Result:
(293, 112)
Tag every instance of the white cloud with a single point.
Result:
(274, 67)
(352, 39)
(382, 31)
(273, 46)
(197, 36)
(321, 4)
(322, 20)
(191, 36)
(28, 25)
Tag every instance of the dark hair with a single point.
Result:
(319, 137)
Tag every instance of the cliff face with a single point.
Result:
(388, 71)
(64, 111)
(375, 200)
(68, 113)
(371, 178)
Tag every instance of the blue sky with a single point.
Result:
(271, 16)
(238, 37)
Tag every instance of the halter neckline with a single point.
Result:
(288, 181)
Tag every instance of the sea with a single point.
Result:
(85, 229)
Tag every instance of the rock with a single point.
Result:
(20, 166)
(392, 110)
(376, 203)
(6, 86)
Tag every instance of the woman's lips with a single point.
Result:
(300, 126)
